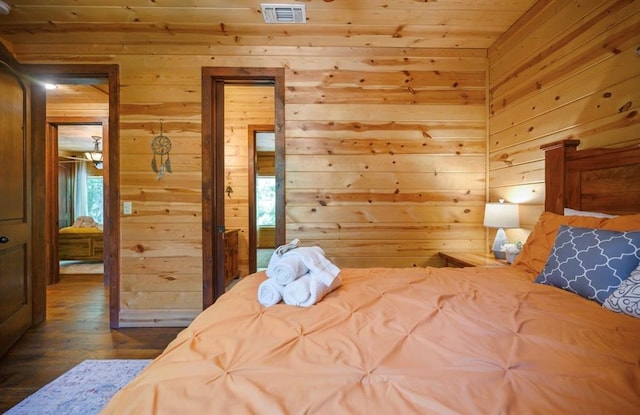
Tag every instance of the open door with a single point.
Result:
(16, 299)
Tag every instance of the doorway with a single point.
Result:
(213, 165)
(79, 190)
(45, 176)
(262, 203)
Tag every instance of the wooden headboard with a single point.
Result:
(597, 180)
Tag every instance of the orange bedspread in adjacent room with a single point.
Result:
(399, 341)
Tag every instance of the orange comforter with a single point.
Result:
(399, 341)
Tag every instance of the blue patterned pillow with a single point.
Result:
(626, 298)
(591, 262)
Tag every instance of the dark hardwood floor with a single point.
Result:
(76, 329)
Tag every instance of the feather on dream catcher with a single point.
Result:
(161, 146)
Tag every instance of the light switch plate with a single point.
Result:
(127, 208)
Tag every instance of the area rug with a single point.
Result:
(81, 267)
(84, 390)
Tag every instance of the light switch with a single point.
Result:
(127, 208)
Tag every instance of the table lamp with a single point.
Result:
(501, 215)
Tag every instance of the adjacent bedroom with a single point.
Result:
(80, 199)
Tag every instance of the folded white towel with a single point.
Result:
(308, 290)
(270, 292)
(285, 269)
(287, 247)
(313, 258)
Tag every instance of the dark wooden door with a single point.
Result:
(15, 231)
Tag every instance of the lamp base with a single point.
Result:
(498, 243)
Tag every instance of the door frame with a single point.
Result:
(253, 158)
(76, 74)
(213, 80)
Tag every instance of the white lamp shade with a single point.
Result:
(501, 215)
(93, 156)
(96, 155)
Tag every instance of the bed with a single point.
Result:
(81, 241)
(421, 340)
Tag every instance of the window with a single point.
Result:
(94, 198)
(266, 200)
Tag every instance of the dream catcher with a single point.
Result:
(161, 145)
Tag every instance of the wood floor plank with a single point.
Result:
(76, 329)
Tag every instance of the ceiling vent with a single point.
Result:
(283, 13)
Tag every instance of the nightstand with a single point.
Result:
(471, 259)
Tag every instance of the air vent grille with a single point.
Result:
(283, 13)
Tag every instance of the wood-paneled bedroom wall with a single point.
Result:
(567, 70)
(385, 154)
(386, 148)
(385, 160)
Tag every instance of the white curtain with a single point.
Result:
(80, 207)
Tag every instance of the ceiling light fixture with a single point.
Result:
(95, 156)
(4, 7)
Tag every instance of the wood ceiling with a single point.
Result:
(77, 138)
(215, 23)
(135, 26)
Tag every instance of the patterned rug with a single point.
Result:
(83, 390)
(81, 267)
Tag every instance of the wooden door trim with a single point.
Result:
(51, 204)
(111, 147)
(213, 167)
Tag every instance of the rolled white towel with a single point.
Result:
(308, 290)
(270, 292)
(285, 269)
(313, 258)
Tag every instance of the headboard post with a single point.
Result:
(555, 173)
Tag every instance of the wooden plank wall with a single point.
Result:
(385, 159)
(565, 70)
(161, 242)
(386, 154)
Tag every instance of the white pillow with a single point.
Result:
(626, 298)
(573, 212)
